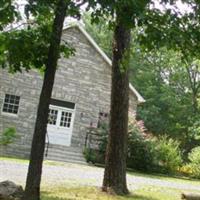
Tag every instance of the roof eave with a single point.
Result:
(140, 99)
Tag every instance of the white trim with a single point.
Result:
(60, 109)
(57, 126)
(104, 56)
(8, 113)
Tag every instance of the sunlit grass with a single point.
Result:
(74, 189)
(92, 193)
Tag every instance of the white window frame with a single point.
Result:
(8, 113)
(58, 120)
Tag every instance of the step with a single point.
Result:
(66, 160)
(68, 151)
(65, 154)
(62, 156)
(65, 148)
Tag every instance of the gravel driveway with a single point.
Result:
(79, 175)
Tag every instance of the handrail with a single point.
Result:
(48, 143)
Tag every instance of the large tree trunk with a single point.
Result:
(32, 189)
(115, 168)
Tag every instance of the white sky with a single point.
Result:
(182, 8)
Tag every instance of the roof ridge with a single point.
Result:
(105, 57)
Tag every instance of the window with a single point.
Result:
(52, 116)
(60, 117)
(66, 119)
(103, 119)
(11, 104)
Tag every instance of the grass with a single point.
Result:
(72, 190)
(26, 161)
(16, 160)
(171, 178)
(92, 193)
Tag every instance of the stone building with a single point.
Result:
(81, 93)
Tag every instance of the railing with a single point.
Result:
(93, 138)
(47, 145)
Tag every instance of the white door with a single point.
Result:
(60, 124)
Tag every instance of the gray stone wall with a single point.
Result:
(27, 86)
(84, 79)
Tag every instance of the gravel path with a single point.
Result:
(82, 175)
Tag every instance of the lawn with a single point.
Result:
(92, 193)
(73, 189)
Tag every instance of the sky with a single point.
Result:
(183, 8)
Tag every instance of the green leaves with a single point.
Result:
(8, 13)
(28, 47)
(8, 136)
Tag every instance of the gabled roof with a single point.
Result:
(104, 56)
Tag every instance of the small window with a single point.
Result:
(53, 114)
(103, 119)
(66, 119)
(11, 104)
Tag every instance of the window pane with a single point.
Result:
(66, 119)
(52, 116)
(11, 104)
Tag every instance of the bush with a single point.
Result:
(186, 170)
(144, 153)
(8, 136)
(167, 154)
(152, 154)
(139, 155)
(90, 155)
(194, 157)
(97, 155)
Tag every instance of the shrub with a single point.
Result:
(144, 153)
(140, 147)
(90, 155)
(8, 136)
(167, 154)
(186, 170)
(97, 155)
(140, 155)
(194, 157)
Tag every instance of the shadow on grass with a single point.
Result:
(49, 196)
(141, 197)
(86, 196)
(162, 176)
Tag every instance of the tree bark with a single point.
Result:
(115, 167)
(32, 189)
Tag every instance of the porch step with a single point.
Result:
(65, 154)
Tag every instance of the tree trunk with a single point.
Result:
(32, 189)
(115, 168)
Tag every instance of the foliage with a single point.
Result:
(8, 13)
(27, 46)
(169, 95)
(194, 157)
(194, 130)
(8, 136)
(145, 153)
(90, 155)
(97, 155)
(168, 88)
(144, 192)
(140, 155)
(100, 32)
(167, 154)
(185, 170)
